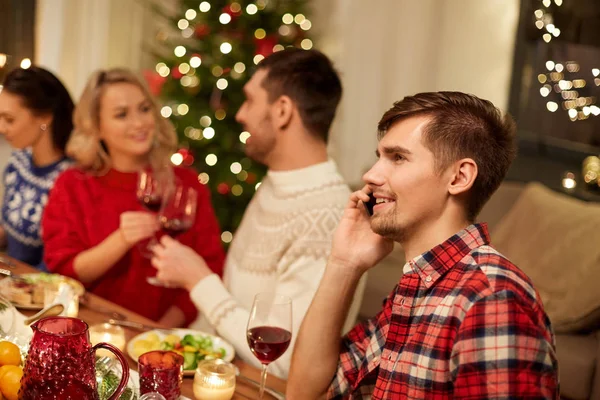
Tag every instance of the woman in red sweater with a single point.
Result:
(93, 219)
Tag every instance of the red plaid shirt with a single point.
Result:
(465, 323)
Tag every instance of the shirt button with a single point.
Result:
(428, 279)
(390, 357)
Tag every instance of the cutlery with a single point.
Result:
(136, 325)
(278, 395)
(85, 301)
(7, 262)
(11, 275)
(50, 311)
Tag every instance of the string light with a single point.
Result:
(163, 70)
(251, 9)
(184, 68)
(208, 133)
(187, 32)
(546, 3)
(205, 121)
(191, 14)
(306, 44)
(287, 18)
(224, 18)
(559, 67)
(235, 7)
(539, 24)
(236, 168)
(179, 51)
(222, 83)
(243, 175)
(183, 109)
(547, 37)
(166, 111)
(551, 106)
(244, 136)
(257, 186)
(211, 160)
(558, 2)
(542, 78)
(177, 159)
(203, 178)
(284, 30)
(25, 63)
(261, 4)
(226, 237)
(550, 65)
(220, 114)
(3, 59)
(595, 71)
(544, 91)
(538, 14)
(305, 25)
(217, 71)
(260, 33)
(237, 190)
(186, 81)
(239, 67)
(204, 6)
(195, 61)
(277, 48)
(258, 58)
(183, 23)
(225, 48)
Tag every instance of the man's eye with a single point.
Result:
(398, 157)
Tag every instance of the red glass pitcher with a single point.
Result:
(60, 363)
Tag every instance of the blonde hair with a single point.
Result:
(85, 146)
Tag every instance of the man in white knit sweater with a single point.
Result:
(285, 236)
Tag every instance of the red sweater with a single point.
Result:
(83, 210)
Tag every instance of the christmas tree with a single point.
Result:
(209, 57)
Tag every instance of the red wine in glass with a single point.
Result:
(269, 330)
(268, 343)
(175, 226)
(151, 202)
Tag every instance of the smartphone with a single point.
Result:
(370, 204)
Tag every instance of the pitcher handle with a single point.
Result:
(124, 367)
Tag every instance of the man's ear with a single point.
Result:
(283, 110)
(464, 173)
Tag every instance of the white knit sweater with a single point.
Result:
(282, 245)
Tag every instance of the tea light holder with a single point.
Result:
(107, 333)
(214, 380)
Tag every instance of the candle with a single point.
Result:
(214, 380)
(107, 333)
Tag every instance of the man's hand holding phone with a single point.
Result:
(355, 245)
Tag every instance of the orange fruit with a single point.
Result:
(9, 354)
(10, 383)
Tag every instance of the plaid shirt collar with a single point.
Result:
(434, 263)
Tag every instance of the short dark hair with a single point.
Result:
(310, 80)
(462, 125)
(43, 93)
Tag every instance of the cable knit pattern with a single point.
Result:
(281, 245)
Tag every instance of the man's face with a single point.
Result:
(255, 117)
(410, 193)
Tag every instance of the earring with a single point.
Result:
(43, 127)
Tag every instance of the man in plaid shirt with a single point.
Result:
(463, 322)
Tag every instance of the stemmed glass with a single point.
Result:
(269, 330)
(150, 192)
(177, 215)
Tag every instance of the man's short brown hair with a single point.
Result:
(462, 125)
(309, 79)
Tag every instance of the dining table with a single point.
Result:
(97, 310)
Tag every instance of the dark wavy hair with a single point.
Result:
(43, 93)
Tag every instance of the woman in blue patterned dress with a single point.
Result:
(36, 120)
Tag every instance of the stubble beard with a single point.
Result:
(386, 225)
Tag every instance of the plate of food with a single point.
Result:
(28, 292)
(193, 345)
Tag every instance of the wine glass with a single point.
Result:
(149, 193)
(177, 215)
(269, 330)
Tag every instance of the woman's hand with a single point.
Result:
(137, 225)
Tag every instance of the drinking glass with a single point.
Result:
(269, 330)
(149, 192)
(161, 372)
(177, 215)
